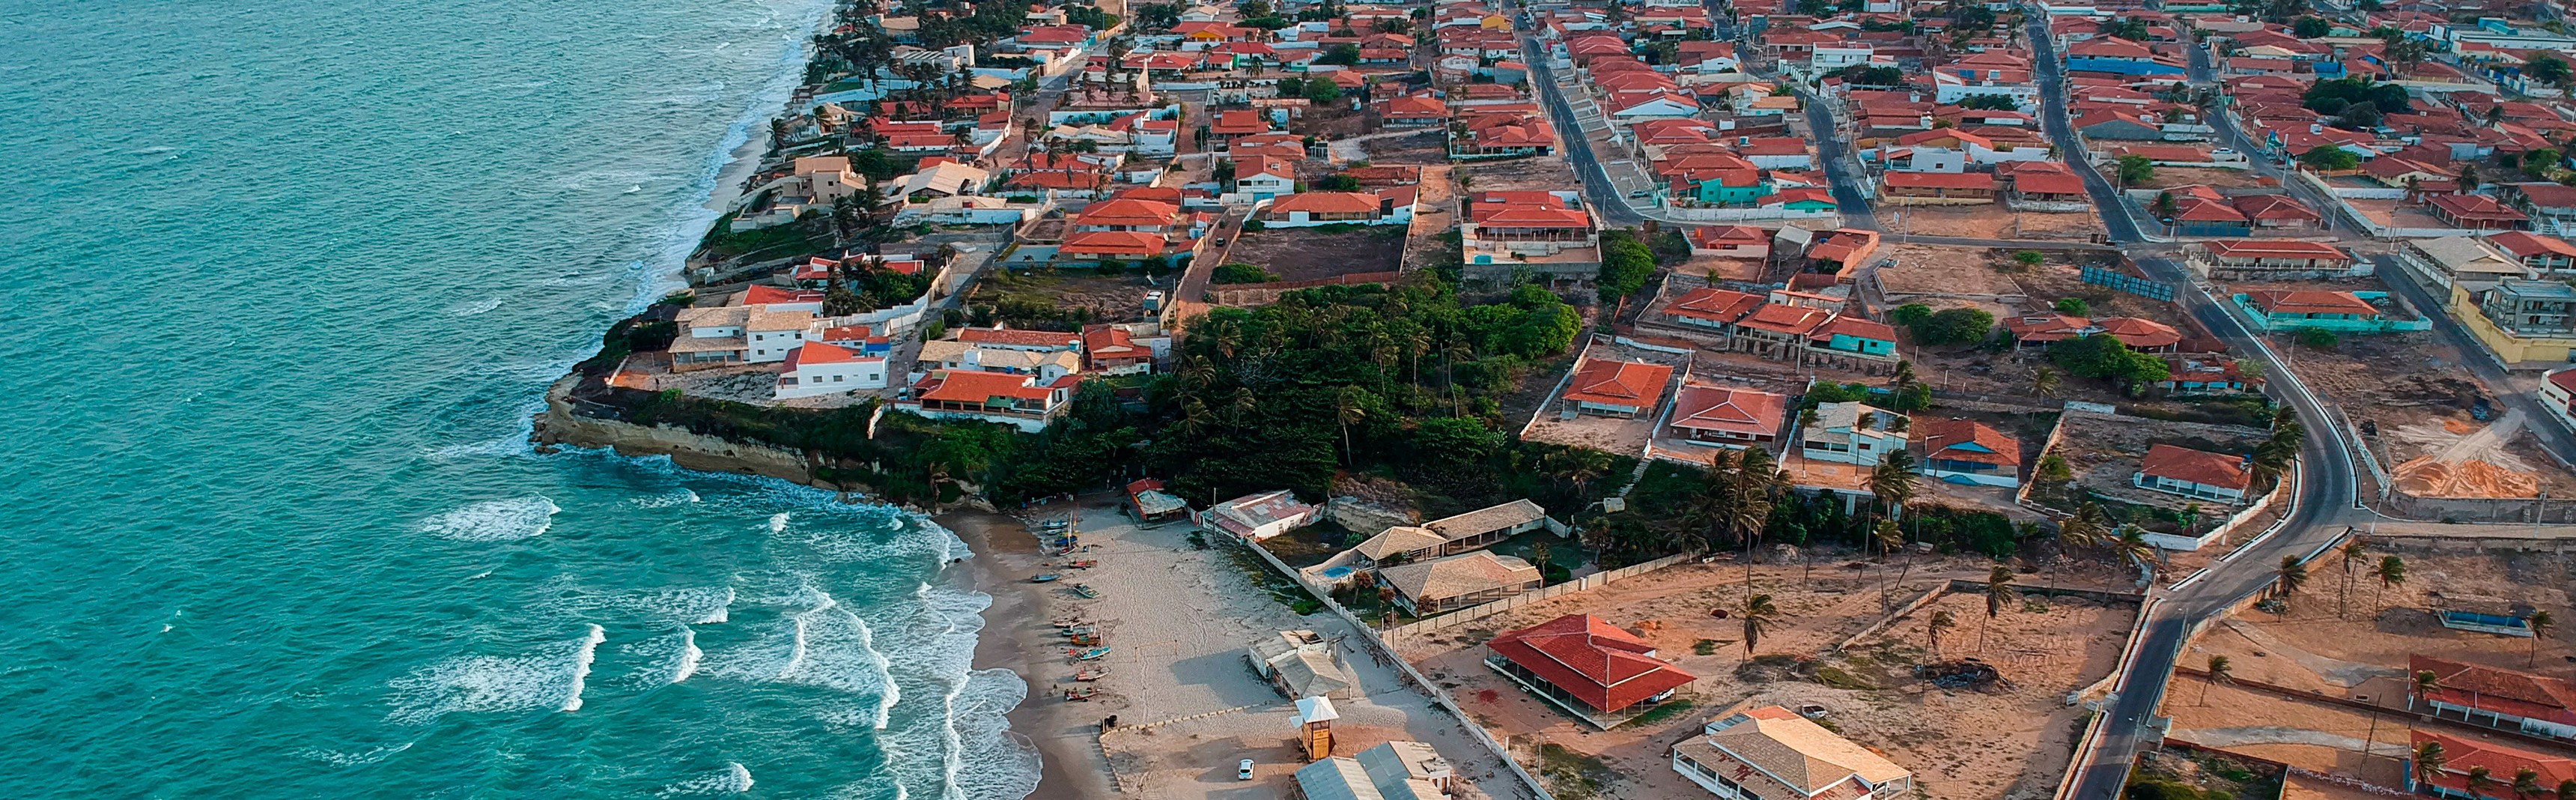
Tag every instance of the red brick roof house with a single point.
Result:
(1613, 388)
(2194, 473)
(1727, 416)
(2545, 253)
(1715, 309)
(2142, 335)
(2475, 212)
(1414, 111)
(1020, 339)
(2277, 211)
(2502, 763)
(1733, 241)
(2501, 698)
(1969, 452)
(1022, 401)
(2042, 329)
(2285, 305)
(1587, 666)
(2260, 259)
(1899, 187)
(1110, 349)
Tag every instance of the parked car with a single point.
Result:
(1243, 771)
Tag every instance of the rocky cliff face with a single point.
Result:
(560, 426)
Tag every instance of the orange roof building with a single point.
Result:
(2196, 474)
(1727, 416)
(1615, 388)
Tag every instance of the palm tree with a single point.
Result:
(2132, 545)
(1892, 481)
(1998, 592)
(1348, 407)
(2219, 672)
(2287, 578)
(2567, 789)
(2526, 782)
(2391, 572)
(2480, 779)
(1888, 537)
(1759, 613)
(2355, 550)
(2044, 380)
(1941, 621)
(2426, 683)
(2085, 529)
(2540, 623)
(2429, 760)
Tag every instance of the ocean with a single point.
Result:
(284, 283)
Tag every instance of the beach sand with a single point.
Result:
(1017, 638)
(1177, 620)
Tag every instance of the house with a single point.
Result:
(1413, 111)
(1264, 177)
(1969, 452)
(1025, 402)
(816, 369)
(2500, 763)
(1020, 339)
(1390, 771)
(2190, 375)
(2468, 263)
(2282, 308)
(2531, 308)
(812, 184)
(1307, 209)
(1112, 350)
(1849, 432)
(1731, 241)
(2278, 212)
(1258, 516)
(2117, 125)
(946, 179)
(1450, 536)
(2497, 698)
(1727, 416)
(1543, 232)
(1424, 588)
(1302, 663)
(1772, 753)
(1936, 188)
(2475, 212)
(2552, 206)
(2547, 254)
(1145, 496)
(1047, 365)
(2142, 335)
(1588, 667)
(1613, 388)
(2194, 473)
(2267, 259)
(1849, 335)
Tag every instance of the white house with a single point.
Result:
(1851, 433)
(1259, 516)
(2194, 473)
(1772, 753)
(773, 333)
(1829, 57)
(819, 369)
(1264, 178)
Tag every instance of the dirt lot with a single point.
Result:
(2171, 177)
(1112, 298)
(1941, 270)
(2008, 741)
(1992, 221)
(2103, 450)
(2055, 281)
(2396, 214)
(1303, 254)
(2353, 643)
(1538, 174)
(2412, 401)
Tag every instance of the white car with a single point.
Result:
(1243, 771)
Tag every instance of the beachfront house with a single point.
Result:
(1613, 388)
(1450, 535)
(818, 369)
(1424, 588)
(2501, 763)
(1772, 753)
(1850, 432)
(1390, 771)
(1969, 452)
(1258, 516)
(1587, 667)
(1026, 402)
(1727, 416)
(1302, 663)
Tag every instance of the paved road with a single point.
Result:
(1607, 203)
(2325, 498)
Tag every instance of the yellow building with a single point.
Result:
(2547, 344)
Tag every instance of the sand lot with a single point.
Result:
(2008, 742)
(1944, 271)
(1989, 221)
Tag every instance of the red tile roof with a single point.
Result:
(1326, 203)
(1017, 336)
(2523, 244)
(819, 353)
(1717, 305)
(1962, 440)
(978, 386)
(1940, 180)
(2521, 694)
(1618, 383)
(1597, 663)
(2274, 248)
(2459, 755)
(2140, 333)
(1719, 408)
(2308, 301)
(2204, 468)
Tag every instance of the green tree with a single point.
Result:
(1999, 592)
(2546, 69)
(1942, 620)
(2133, 170)
(2311, 27)
(2219, 672)
(2539, 161)
(2288, 577)
(1340, 55)
(1626, 265)
(2029, 258)
(2317, 338)
(2073, 306)
(1321, 91)
(1759, 615)
(2165, 207)
(2329, 158)
(1962, 325)
(2540, 622)
(1988, 102)
(2429, 761)
(2390, 572)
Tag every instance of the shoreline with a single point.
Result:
(1070, 763)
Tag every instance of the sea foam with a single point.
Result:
(501, 520)
(488, 684)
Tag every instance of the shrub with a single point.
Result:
(1242, 273)
(2317, 338)
(2074, 306)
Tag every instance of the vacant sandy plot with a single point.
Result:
(2396, 214)
(1926, 270)
(2058, 280)
(2354, 635)
(1537, 174)
(2412, 400)
(2007, 742)
(1991, 221)
(2171, 177)
(1304, 254)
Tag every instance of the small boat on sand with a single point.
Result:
(1046, 578)
(1086, 591)
(1091, 674)
(1091, 654)
(1082, 694)
(1082, 563)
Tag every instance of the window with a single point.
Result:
(837, 378)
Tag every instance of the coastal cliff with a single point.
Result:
(561, 425)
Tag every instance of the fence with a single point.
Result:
(2129, 283)
(1910, 607)
(1247, 294)
(1439, 695)
(2171, 542)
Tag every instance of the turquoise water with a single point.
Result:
(283, 283)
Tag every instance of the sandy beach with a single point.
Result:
(1177, 620)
